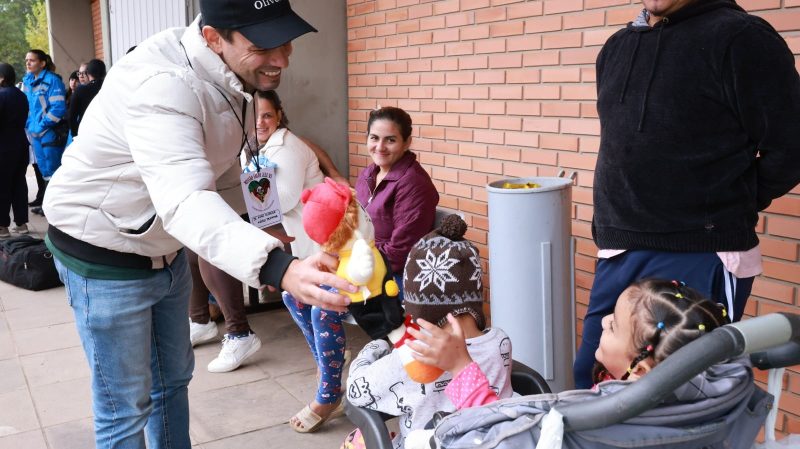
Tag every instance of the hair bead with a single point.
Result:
(660, 325)
(649, 348)
(702, 327)
(723, 309)
(678, 295)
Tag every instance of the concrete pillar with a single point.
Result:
(71, 38)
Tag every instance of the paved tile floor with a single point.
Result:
(44, 381)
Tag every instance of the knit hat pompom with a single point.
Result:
(453, 228)
(443, 275)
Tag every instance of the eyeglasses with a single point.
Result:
(83, 73)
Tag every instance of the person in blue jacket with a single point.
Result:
(47, 105)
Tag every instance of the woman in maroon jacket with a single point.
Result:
(395, 190)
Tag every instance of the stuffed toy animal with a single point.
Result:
(333, 218)
(417, 371)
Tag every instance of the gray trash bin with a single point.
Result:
(530, 273)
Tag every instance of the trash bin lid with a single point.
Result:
(546, 184)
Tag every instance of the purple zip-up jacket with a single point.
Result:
(402, 207)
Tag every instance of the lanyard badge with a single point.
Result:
(261, 195)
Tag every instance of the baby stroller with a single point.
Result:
(702, 396)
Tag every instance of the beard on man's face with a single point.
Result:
(660, 8)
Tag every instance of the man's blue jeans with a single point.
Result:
(135, 334)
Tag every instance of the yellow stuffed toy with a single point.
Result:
(364, 266)
(333, 218)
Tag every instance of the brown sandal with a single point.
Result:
(307, 421)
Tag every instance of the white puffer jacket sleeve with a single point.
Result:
(166, 141)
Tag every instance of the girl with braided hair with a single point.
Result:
(652, 319)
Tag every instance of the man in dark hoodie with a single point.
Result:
(699, 106)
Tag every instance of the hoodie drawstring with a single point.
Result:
(664, 22)
(630, 68)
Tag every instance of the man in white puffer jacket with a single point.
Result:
(157, 144)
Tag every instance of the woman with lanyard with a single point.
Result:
(296, 164)
(240, 342)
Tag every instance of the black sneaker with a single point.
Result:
(35, 203)
(38, 211)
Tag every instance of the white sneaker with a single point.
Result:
(21, 229)
(235, 350)
(201, 333)
(4, 234)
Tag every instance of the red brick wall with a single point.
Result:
(97, 29)
(505, 88)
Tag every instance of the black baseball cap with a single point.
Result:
(265, 23)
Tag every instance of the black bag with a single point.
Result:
(62, 134)
(61, 131)
(26, 262)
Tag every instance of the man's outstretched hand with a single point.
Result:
(304, 277)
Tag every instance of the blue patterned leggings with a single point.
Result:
(325, 337)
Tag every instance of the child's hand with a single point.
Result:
(445, 350)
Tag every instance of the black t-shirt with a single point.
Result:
(80, 100)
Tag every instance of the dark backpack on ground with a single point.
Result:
(26, 262)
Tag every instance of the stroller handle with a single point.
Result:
(782, 356)
(768, 331)
(729, 341)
